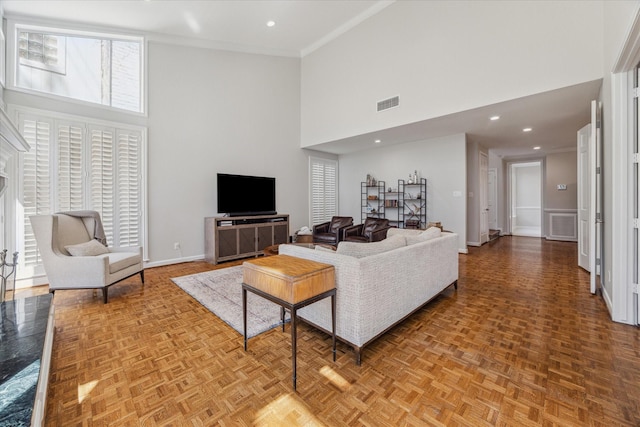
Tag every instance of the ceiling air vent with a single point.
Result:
(388, 103)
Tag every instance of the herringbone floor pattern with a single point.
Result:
(521, 343)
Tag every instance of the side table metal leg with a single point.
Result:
(244, 316)
(282, 317)
(333, 324)
(294, 334)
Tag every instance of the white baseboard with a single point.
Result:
(474, 244)
(148, 264)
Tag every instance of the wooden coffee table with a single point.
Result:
(292, 283)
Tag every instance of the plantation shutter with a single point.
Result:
(36, 180)
(129, 199)
(324, 190)
(76, 164)
(102, 176)
(70, 167)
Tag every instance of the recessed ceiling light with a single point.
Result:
(537, 148)
(494, 118)
(271, 23)
(377, 141)
(527, 130)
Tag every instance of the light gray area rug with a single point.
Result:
(221, 292)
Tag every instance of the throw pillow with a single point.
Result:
(428, 234)
(90, 248)
(361, 250)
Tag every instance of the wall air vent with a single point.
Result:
(388, 103)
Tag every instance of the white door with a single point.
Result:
(525, 180)
(492, 184)
(484, 200)
(584, 198)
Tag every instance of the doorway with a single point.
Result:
(525, 204)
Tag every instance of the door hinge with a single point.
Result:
(635, 92)
(636, 288)
(598, 261)
(635, 222)
(635, 157)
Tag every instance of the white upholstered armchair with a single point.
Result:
(92, 265)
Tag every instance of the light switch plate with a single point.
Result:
(562, 186)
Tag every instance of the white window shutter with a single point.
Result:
(102, 176)
(70, 195)
(129, 202)
(36, 181)
(324, 189)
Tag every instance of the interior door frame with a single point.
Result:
(509, 201)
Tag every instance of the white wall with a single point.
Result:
(214, 111)
(444, 57)
(618, 17)
(442, 161)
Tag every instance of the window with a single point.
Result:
(324, 189)
(44, 51)
(77, 164)
(97, 68)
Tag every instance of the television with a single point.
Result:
(240, 195)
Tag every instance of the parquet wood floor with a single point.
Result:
(521, 343)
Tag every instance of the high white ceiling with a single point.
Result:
(302, 26)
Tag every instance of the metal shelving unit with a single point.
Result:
(372, 200)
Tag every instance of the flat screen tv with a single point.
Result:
(240, 195)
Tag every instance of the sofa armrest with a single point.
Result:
(379, 235)
(321, 228)
(64, 271)
(353, 230)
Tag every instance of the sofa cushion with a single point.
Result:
(121, 260)
(428, 234)
(403, 232)
(361, 250)
(90, 248)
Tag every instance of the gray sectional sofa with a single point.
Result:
(379, 284)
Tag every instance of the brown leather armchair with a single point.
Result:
(373, 230)
(331, 232)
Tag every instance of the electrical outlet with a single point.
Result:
(176, 246)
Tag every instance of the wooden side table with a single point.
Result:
(292, 283)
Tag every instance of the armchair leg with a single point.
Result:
(142, 276)
(104, 294)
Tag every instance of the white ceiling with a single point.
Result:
(303, 26)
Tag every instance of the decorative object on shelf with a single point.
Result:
(415, 176)
(4, 275)
(410, 180)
